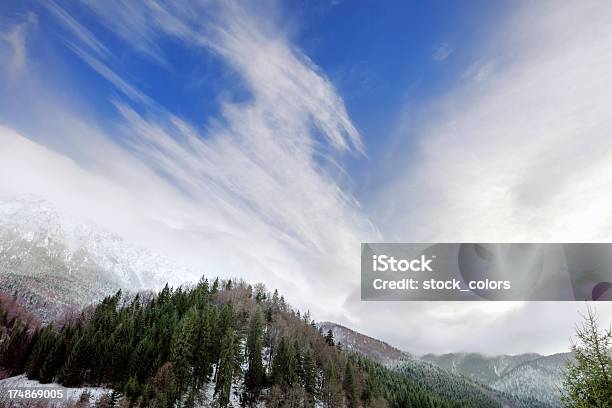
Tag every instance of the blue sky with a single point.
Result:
(381, 57)
(378, 58)
(266, 140)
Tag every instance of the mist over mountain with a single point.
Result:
(525, 375)
(479, 366)
(55, 262)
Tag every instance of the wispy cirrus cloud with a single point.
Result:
(115, 79)
(257, 193)
(272, 69)
(78, 30)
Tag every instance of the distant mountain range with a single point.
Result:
(524, 375)
(529, 380)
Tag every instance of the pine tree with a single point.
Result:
(143, 358)
(332, 389)
(349, 386)
(56, 357)
(221, 322)
(255, 375)
(202, 293)
(275, 298)
(182, 349)
(299, 361)
(588, 381)
(147, 393)
(202, 361)
(329, 338)
(284, 365)
(71, 374)
(132, 390)
(165, 294)
(229, 364)
(310, 373)
(43, 344)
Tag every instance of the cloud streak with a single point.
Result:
(254, 194)
(77, 29)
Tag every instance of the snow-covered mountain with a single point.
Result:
(54, 261)
(526, 375)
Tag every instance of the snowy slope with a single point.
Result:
(70, 394)
(541, 379)
(477, 366)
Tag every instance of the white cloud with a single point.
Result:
(13, 49)
(252, 195)
(521, 152)
(524, 153)
(479, 71)
(275, 72)
(136, 22)
(105, 71)
(77, 29)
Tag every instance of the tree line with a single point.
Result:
(246, 347)
(228, 342)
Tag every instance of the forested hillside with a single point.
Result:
(225, 343)
(464, 390)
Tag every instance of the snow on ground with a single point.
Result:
(70, 394)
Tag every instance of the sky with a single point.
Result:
(266, 140)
